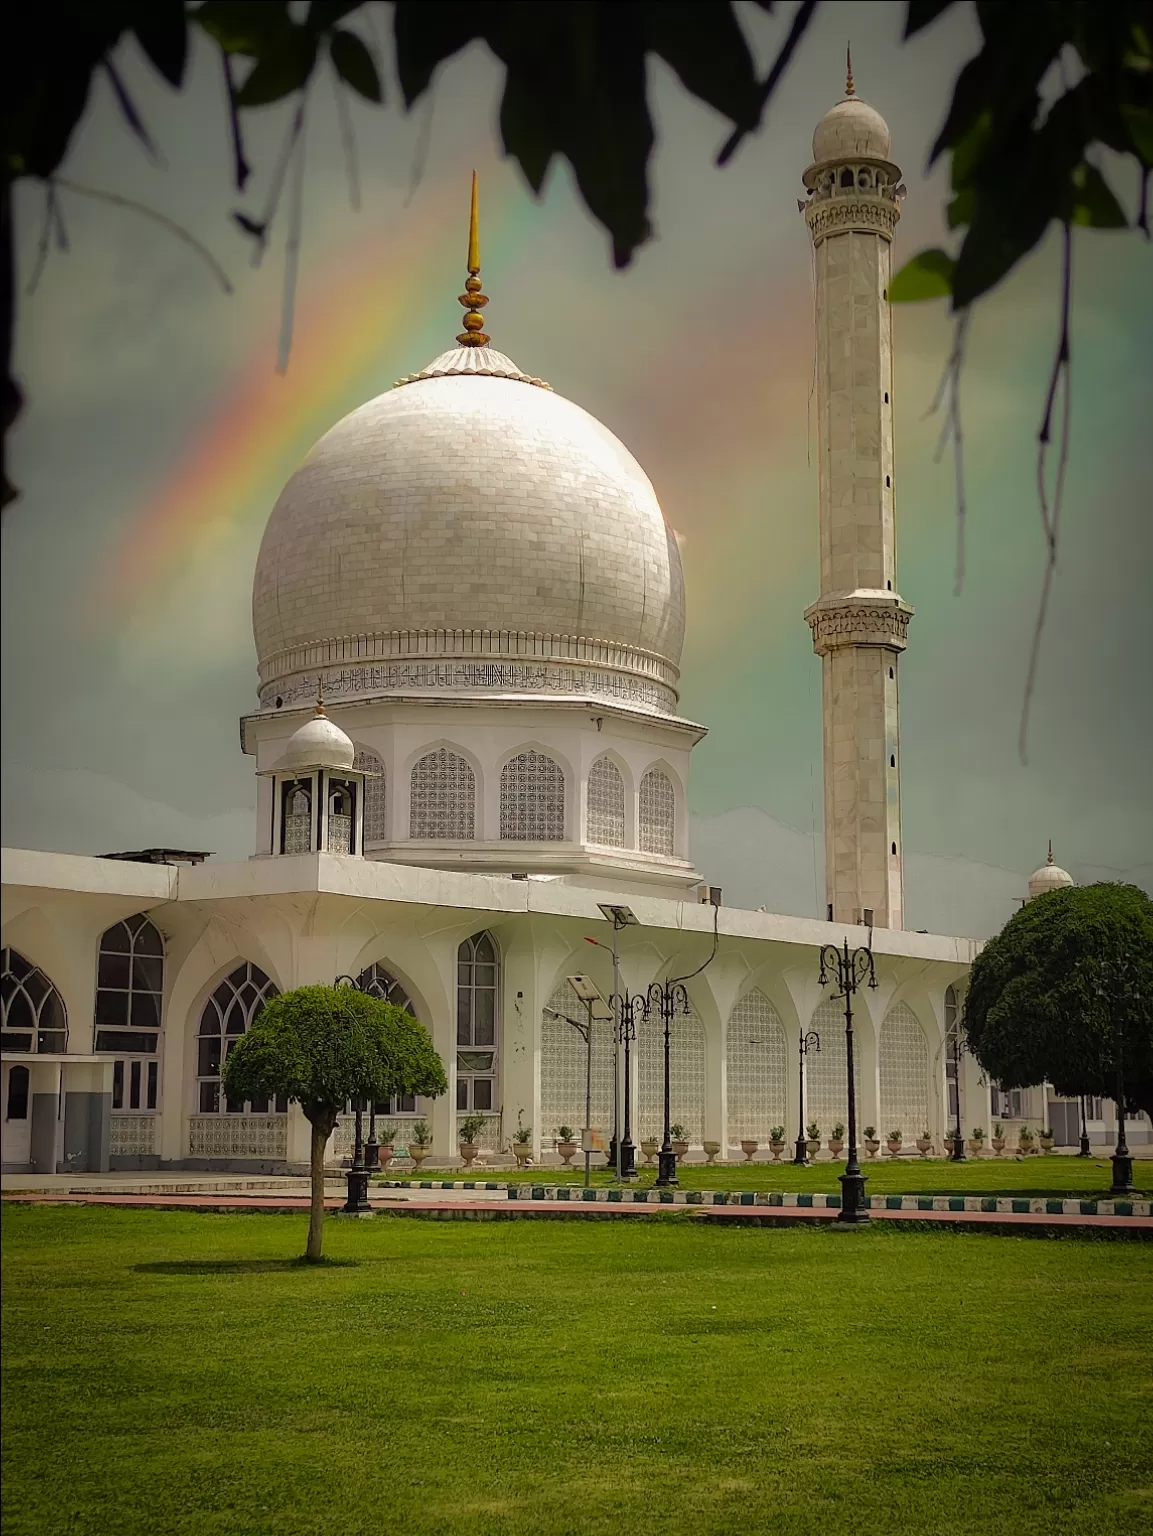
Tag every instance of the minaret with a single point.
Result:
(859, 622)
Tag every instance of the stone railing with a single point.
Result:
(132, 1135)
(238, 1136)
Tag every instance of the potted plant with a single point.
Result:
(893, 1142)
(711, 1148)
(566, 1145)
(421, 1144)
(836, 1141)
(650, 1146)
(522, 1143)
(998, 1139)
(386, 1145)
(749, 1148)
(1046, 1136)
(976, 1141)
(470, 1128)
(1024, 1141)
(680, 1140)
(872, 1145)
(776, 1142)
(813, 1144)
(924, 1143)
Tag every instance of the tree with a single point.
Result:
(576, 88)
(322, 1046)
(1064, 994)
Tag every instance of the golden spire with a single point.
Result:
(1049, 860)
(850, 88)
(472, 298)
(319, 710)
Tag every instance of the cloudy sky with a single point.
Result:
(158, 435)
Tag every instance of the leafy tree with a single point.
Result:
(1064, 994)
(322, 1046)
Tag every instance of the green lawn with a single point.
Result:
(178, 1373)
(1052, 1177)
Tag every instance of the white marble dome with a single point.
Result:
(319, 743)
(469, 512)
(1050, 877)
(851, 130)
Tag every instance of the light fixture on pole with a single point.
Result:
(849, 969)
(960, 1048)
(620, 917)
(356, 1201)
(1086, 1150)
(596, 1008)
(809, 1042)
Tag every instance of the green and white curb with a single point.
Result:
(577, 1195)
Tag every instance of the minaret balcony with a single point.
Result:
(863, 617)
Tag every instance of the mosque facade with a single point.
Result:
(469, 755)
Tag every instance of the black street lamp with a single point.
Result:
(809, 1042)
(1085, 1148)
(960, 1048)
(356, 1202)
(849, 970)
(1118, 998)
(627, 1004)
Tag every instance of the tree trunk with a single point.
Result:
(320, 1134)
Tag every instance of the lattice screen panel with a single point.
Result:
(827, 1072)
(442, 797)
(904, 1074)
(757, 1069)
(606, 804)
(532, 799)
(563, 1065)
(658, 809)
(237, 1135)
(686, 1076)
(367, 761)
(132, 1135)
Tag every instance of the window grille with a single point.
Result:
(564, 1065)
(367, 761)
(757, 1069)
(532, 799)
(606, 804)
(378, 982)
(442, 797)
(228, 1013)
(33, 1014)
(296, 836)
(478, 1045)
(129, 999)
(658, 809)
(827, 1070)
(686, 1075)
(904, 1073)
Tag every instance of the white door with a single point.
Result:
(16, 1096)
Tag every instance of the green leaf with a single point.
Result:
(960, 210)
(354, 64)
(1139, 121)
(1094, 204)
(324, 14)
(243, 26)
(929, 275)
(704, 44)
(282, 68)
(425, 36)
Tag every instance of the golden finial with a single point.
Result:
(850, 88)
(1049, 860)
(319, 711)
(472, 299)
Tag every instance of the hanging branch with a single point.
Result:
(801, 18)
(118, 201)
(949, 394)
(53, 223)
(292, 254)
(259, 228)
(1061, 375)
(347, 142)
(420, 153)
(240, 167)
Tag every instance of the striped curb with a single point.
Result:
(576, 1194)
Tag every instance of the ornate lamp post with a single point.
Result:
(960, 1047)
(620, 917)
(626, 1005)
(1085, 1151)
(809, 1042)
(849, 969)
(356, 1202)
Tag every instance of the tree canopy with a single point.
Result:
(1064, 994)
(322, 1046)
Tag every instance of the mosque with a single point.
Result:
(468, 612)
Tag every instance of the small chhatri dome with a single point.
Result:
(1050, 877)
(319, 743)
(852, 129)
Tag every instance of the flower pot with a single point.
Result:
(384, 1156)
(776, 1148)
(924, 1145)
(522, 1152)
(567, 1150)
(1024, 1148)
(834, 1145)
(469, 1150)
(998, 1145)
(749, 1148)
(418, 1154)
(650, 1148)
(976, 1146)
(711, 1150)
(894, 1148)
(812, 1148)
(872, 1147)
(1046, 1144)
(681, 1149)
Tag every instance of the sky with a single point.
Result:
(158, 435)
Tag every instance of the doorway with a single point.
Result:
(16, 1095)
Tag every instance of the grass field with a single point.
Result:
(1074, 1177)
(179, 1373)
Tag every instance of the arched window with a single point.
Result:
(904, 1073)
(477, 1044)
(367, 761)
(606, 804)
(296, 816)
(827, 1070)
(564, 1063)
(129, 998)
(757, 1069)
(237, 1001)
(658, 810)
(846, 178)
(33, 1016)
(532, 799)
(379, 983)
(442, 797)
(341, 816)
(686, 1075)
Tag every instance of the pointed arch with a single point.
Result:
(478, 1024)
(903, 1062)
(686, 1075)
(564, 1064)
(757, 1068)
(827, 1070)
(229, 1011)
(375, 794)
(532, 798)
(442, 797)
(606, 821)
(658, 812)
(32, 1012)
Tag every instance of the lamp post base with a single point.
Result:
(628, 1159)
(357, 1202)
(854, 1210)
(957, 1155)
(666, 1169)
(1122, 1174)
(801, 1158)
(1086, 1150)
